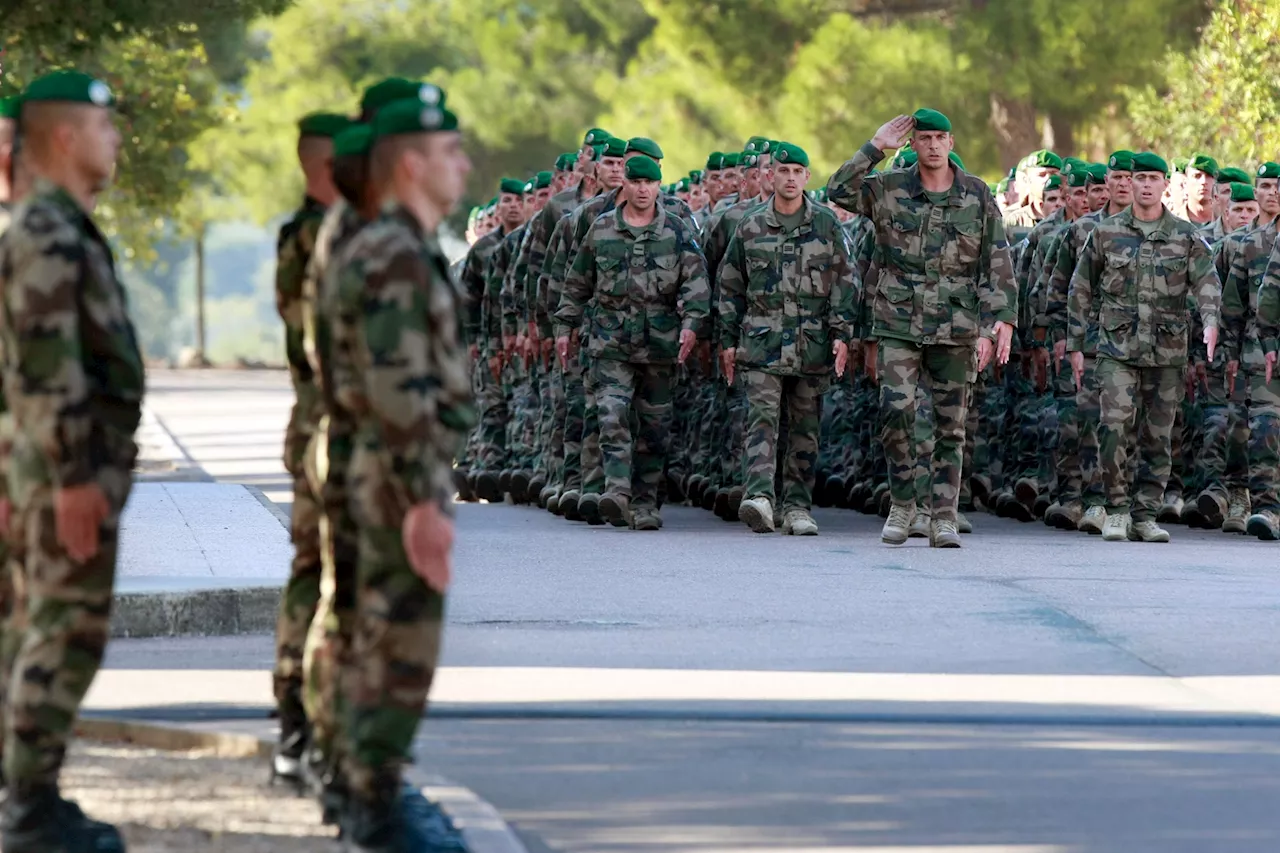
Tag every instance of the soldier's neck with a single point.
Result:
(1148, 213)
(1114, 209)
(937, 180)
(1197, 214)
(77, 186)
(788, 208)
(638, 218)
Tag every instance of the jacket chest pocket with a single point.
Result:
(763, 278)
(964, 247)
(815, 274)
(1171, 283)
(666, 275)
(1117, 276)
(903, 241)
(612, 281)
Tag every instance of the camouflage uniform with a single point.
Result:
(10, 633)
(647, 284)
(402, 372)
(944, 279)
(74, 379)
(1251, 330)
(1136, 290)
(472, 282)
(785, 298)
(302, 591)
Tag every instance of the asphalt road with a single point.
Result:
(705, 689)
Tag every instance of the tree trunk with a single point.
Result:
(200, 359)
(1060, 136)
(1014, 123)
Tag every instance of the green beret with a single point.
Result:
(1232, 175)
(1269, 170)
(1001, 186)
(731, 160)
(1148, 162)
(327, 125)
(1097, 173)
(354, 140)
(1071, 164)
(1242, 192)
(564, 163)
(643, 169)
(74, 87)
(715, 161)
(412, 116)
(788, 153)
(748, 160)
(1042, 159)
(543, 180)
(906, 159)
(756, 145)
(513, 186)
(394, 89)
(1180, 164)
(645, 146)
(595, 136)
(1121, 161)
(10, 106)
(615, 147)
(597, 151)
(1204, 163)
(695, 177)
(1076, 177)
(1053, 182)
(927, 119)
(955, 160)
(682, 185)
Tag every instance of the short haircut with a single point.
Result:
(351, 177)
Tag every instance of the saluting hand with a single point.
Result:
(894, 133)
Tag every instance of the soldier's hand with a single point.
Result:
(870, 360)
(548, 346)
(1004, 342)
(728, 361)
(985, 350)
(1210, 341)
(427, 535)
(1077, 368)
(893, 133)
(688, 340)
(841, 351)
(1271, 365)
(562, 350)
(1233, 367)
(509, 345)
(79, 512)
(1059, 354)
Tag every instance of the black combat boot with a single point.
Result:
(37, 819)
(399, 820)
(288, 760)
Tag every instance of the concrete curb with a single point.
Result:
(482, 826)
(272, 507)
(204, 613)
(161, 457)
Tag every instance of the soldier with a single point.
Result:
(408, 383)
(9, 108)
(1200, 178)
(944, 289)
(641, 266)
(1033, 174)
(786, 313)
(74, 379)
(1136, 275)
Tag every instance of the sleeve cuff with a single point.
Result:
(874, 154)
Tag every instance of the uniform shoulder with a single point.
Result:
(41, 220)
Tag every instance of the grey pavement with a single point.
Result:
(706, 689)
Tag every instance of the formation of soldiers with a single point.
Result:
(908, 342)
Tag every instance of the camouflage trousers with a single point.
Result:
(301, 591)
(329, 637)
(60, 622)
(522, 435)
(950, 371)
(923, 436)
(575, 410)
(1070, 466)
(491, 443)
(1264, 440)
(684, 421)
(395, 642)
(765, 455)
(633, 462)
(984, 431)
(1223, 460)
(1141, 402)
(550, 430)
(733, 438)
(593, 476)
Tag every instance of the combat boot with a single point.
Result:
(1213, 507)
(1264, 524)
(675, 488)
(797, 522)
(545, 496)
(462, 482)
(615, 509)
(757, 513)
(288, 757)
(1171, 509)
(1237, 512)
(1065, 517)
(401, 822)
(37, 819)
(504, 482)
(980, 486)
(1008, 506)
(963, 524)
(895, 530)
(943, 534)
(1117, 528)
(538, 490)
(1147, 531)
(488, 487)
(1192, 517)
(721, 505)
(1040, 507)
(736, 494)
(589, 509)
(1093, 521)
(694, 489)
(568, 505)
(920, 525)
(1027, 491)
(519, 487)
(886, 503)
(709, 495)
(646, 519)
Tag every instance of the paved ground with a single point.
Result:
(704, 689)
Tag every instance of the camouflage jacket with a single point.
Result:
(294, 246)
(1026, 270)
(340, 224)
(786, 296)
(491, 304)
(511, 295)
(1245, 338)
(408, 381)
(551, 282)
(1138, 290)
(472, 280)
(72, 367)
(1058, 270)
(534, 253)
(6, 419)
(647, 285)
(944, 273)
(1018, 223)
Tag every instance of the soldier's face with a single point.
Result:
(1053, 201)
(1121, 186)
(1241, 213)
(511, 209)
(697, 196)
(642, 194)
(1148, 188)
(95, 145)
(609, 172)
(1221, 196)
(1198, 186)
(751, 182)
(1268, 193)
(1078, 201)
(1099, 195)
(542, 196)
(789, 180)
(932, 147)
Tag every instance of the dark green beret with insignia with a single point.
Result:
(1077, 177)
(715, 161)
(10, 106)
(596, 135)
(513, 186)
(1269, 170)
(597, 151)
(1070, 164)
(1242, 192)
(412, 116)
(1097, 173)
(643, 169)
(748, 160)
(756, 145)
(644, 146)
(1232, 175)
(1147, 161)
(1204, 163)
(927, 119)
(1180, 164)
(731, 160)
(1042, 159)
(682, 185)
(74, 87)
(1053, 182)
(564, 163)
(1120, 161)
(326, 125)
(695, 177)
(615, 147)
(955, 160)
(394, 89)
(543, 180)
(788, 153)
(355, 140)
(906, 159)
